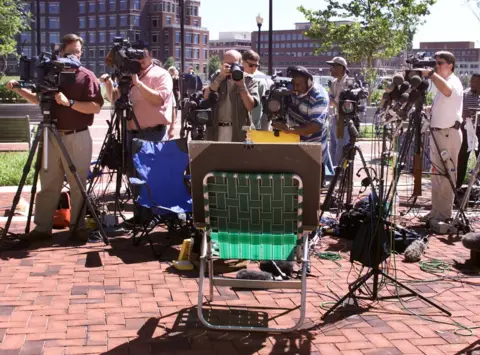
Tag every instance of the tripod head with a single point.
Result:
(124, 85)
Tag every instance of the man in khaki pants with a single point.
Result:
(445, 127)
(74, 109)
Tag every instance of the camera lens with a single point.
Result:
(237, 72)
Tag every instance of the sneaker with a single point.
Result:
(427, 217)
(80, 235)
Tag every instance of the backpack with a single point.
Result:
(61, 219)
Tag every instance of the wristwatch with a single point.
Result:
(431, 73)
(71, 103)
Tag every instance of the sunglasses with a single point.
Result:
(441, 63)
(253, 65)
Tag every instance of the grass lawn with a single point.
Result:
(4, 79)
(11, 168)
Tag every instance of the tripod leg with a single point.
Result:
(33, 192)
(74, 172)
(26, 170)
(351, 293)
(423, 298)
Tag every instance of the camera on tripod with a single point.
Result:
(349, 101)
(124, 58)
(47, 72)
(277, 99)
(197, 114)
(418, 62)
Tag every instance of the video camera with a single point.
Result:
(124, 58)
(197, 114)
(277, 99)
(418, 62)
(47, 72)
(349, 101)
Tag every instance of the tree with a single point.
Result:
(13, 20)
(365, 30)
(169, 62)
(214, 64)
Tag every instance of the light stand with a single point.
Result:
(41, 140)
(381, 229)
(259, 25)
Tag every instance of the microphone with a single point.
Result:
(414, 251)
(390, 87)
(352, 130)
(415, 81)
(398, 79)
(412, 98)
(404, 87)
(423, 86)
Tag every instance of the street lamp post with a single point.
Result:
(259, 24)
(39, 44)
(270, 37)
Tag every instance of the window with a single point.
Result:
(294, 36)
(136, 4)
(91, 6)
(154, 22)
(169, 20)
(93, 67)
(43, 22)
(92, 37)
(165, 34)
(282, 45)
(197, 39)
(27, 8)
(123, 20)
(54, 37)
(112, 5)
(137, 36)
(168, 7)
(195, 11)
(81, 7)
(188, 53)
(155, 38)
(83, 35)
(205, 39)
(294, 45)
(26, 37)
(54, 23)
(101, 53)
(135, 20)
(101, 67)
(111, 36)
(102, 6)
(177, 37)
(92, 21)
(91, 53)
(205, 54)
(27, 51)
(123, 4)
(177, 52)
(81, 22)
(195, 23)
(42, 7)
(102, 37)
(289, 37)
(282, 37)
(54, 8)
(102, 21)
(188, 38)
(112, 21)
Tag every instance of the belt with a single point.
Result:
(224, 124)
(455, 126)
(67, 133)
(158, 128)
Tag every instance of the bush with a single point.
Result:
(376, 97)
(9, 96)
(429, 98)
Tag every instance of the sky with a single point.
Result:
(449, 20)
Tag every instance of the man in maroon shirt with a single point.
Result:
(73, 109)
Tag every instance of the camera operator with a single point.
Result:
(307, 113)
(471, 101)
(446, 118)
(73, 110)
(251, 62)
(236, 100)
(339, 70)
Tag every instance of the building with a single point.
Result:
(98, 22)
(467, 57)
(292, 47)
(230, 40)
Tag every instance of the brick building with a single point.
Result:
(292, 47)
(99, 21)
(467, 57)
(240, 41)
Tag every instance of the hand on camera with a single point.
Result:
(135, 79)
(225, 71)
(280, 126)
(61, 99)
(104, 78)
(11, 85)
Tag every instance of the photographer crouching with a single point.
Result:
(307, 112)
(237, 96)
(73, 110)
(446, 119)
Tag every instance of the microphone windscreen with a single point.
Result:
(471, 241)
(415, 81)
(390, 87)
(398, 79)
(110, 59)
(404, 87)
(423, 86)
(414, 251)
(404, 97)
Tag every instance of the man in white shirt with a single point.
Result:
(445, 127)
(339, 70)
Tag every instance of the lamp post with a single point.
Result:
(270, 37)
(259, 24)
(39, 44)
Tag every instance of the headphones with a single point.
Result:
(302, 71)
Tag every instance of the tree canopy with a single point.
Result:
(214, 64)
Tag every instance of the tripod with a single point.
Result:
(344, 174)
(41, 141)
(114, 148)
(380, 230)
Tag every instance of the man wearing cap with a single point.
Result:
(339, 70)
(152, 98)
(307, 113)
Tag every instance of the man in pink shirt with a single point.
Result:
(152, 98)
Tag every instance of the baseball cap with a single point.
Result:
(298, 69)
(340, 61)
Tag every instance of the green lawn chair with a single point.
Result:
(253, 217)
